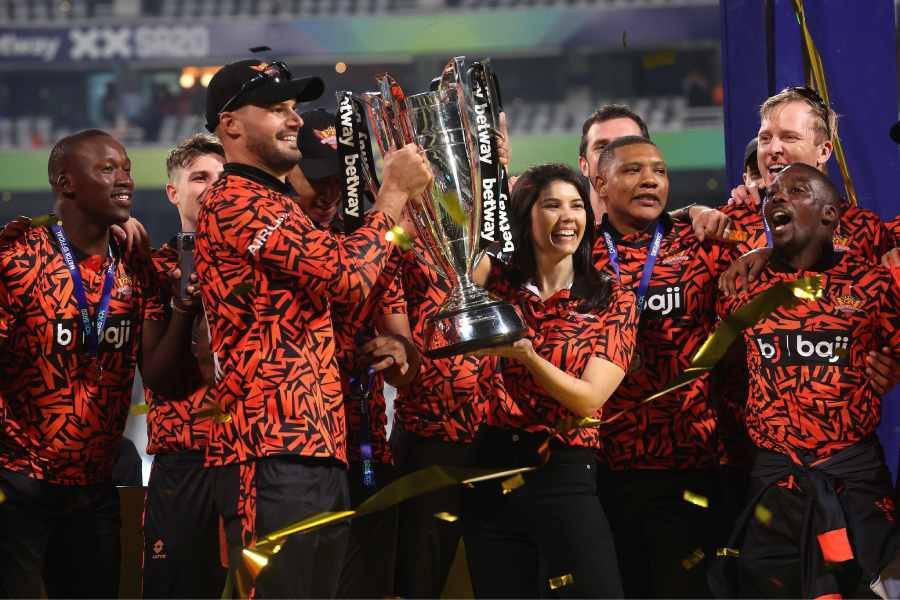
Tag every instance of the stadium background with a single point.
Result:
(138, 69)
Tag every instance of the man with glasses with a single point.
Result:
(269, 278)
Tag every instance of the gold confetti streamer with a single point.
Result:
(763, 514)
(139, 409)
(817, 75)
(213, 412)
(41, 221)
(728, 552)
(783, 293)
(398, 236)
(445, 516)
(696, 499)
(693, 560)
(402, 489)
(2, 497)
(561, 581)
(451, 205)
(512, 484)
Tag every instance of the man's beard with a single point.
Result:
(271, 155)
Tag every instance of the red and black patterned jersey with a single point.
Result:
(894, 227)
(443, 400)
(354, 325)
(809, 393)
(566, 338)
(172, 424)
(268, 278)
(677, 430)
(860, 231)
(62, 413)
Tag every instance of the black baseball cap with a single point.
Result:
(317, 142)
(256, 82)
(895, 132)
(750, 152)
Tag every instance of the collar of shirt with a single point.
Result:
(637, 239)
(259, 176)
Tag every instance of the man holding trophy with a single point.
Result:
(269, 277)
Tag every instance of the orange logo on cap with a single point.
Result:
(327, 136)
(261, 67)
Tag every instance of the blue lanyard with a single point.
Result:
(92, 333)
(362, 387)
(762, 211)
(648, 266)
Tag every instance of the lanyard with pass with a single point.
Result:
(648, 266)
(93, 329)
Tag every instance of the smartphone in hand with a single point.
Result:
(185, 243)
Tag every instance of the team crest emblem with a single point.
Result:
(847, 303)
(676, 258)
(327, 136)
(841, 242)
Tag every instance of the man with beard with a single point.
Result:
(71, 312)
(821, 519)
(181, 525)
(268, 279)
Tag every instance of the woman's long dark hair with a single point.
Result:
(590, 285)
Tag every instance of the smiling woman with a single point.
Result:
(581, 334)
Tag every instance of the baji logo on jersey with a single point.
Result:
(116, 334)
(664, 301)
(804, 348)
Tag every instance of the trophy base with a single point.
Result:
(472, 328)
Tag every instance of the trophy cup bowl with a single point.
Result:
(448, 218)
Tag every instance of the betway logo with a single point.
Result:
(24, 46)
(484, 134)
(803, 348)
(116, 335)
(493, 200)
(664, 301)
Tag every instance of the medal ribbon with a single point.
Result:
(362, 389)
(93, 330)
(648, 266)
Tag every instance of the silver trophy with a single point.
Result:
(448, 216)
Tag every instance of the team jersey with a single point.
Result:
(354, 325)
(860, 233)
(268, 278)
(894, 227)
(62, 412)
(443, 400)
(809, 394)
(173, 424)
(565, 337)
(677, 430)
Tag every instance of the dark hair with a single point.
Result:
(188, 150)
(64, 147)
(609, 153)
(590, 285)
(608, 112)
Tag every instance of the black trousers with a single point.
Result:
(369, 565)
(266, 494)
(549, 538)
(663, 541)
(58, 540)
(182, 558)
(770, 562)
(426, 546)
